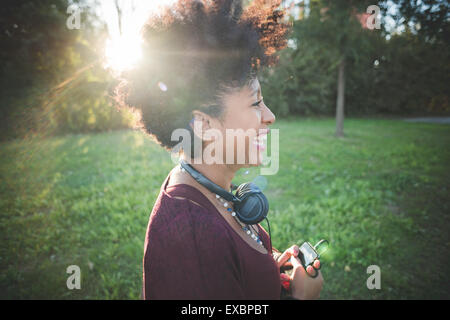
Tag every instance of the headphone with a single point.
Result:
(250, 204)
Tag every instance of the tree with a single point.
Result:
(429, 19)
(386, 71)
(52, 80)
(328, 38)
(38, 51)
(336, 26)
(417, 60)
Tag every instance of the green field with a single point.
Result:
(380, 195)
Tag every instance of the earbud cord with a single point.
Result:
(270, 236)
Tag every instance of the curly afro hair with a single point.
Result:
(194, 53)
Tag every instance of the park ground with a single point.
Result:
(380, 195)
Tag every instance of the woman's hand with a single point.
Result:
(284, 259)
(302, 286)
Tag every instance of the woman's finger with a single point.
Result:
(316, 264)
(285, 281)
(311, 271)
(283, 258)
(284, 277)
(292, 251)
(297, 265)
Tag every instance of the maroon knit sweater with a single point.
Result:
(191, 252)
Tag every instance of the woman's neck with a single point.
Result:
(220, 174)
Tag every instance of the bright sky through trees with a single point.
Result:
(123, 47)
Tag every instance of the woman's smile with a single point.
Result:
(261, 140)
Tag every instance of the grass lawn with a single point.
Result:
(380, 196)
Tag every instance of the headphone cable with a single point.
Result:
(270, 236)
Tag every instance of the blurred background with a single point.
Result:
(362, 104)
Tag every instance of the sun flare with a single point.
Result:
(122, 53)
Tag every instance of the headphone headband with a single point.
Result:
(208, 183)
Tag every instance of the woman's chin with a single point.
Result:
(258, 157)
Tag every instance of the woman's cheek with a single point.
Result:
(258, 115)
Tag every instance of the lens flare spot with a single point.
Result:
(162, 86)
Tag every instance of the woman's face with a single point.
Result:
(245, 126)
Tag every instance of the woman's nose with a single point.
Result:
(267, 116)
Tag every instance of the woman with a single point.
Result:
(199, 72)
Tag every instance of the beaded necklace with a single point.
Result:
(249, 229)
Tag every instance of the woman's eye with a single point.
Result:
(257, 103)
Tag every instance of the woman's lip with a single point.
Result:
(260, 142)
(260, 139)
(263, 132)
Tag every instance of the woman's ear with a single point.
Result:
(200, 123)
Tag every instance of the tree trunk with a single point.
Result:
(119, 16)
(340, 100)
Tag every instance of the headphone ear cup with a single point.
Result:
(253, 207)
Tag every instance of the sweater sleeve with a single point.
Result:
(189, 255)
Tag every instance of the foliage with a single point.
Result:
(402, 73)
(428, 19)
(420, 69)
(49, 69)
